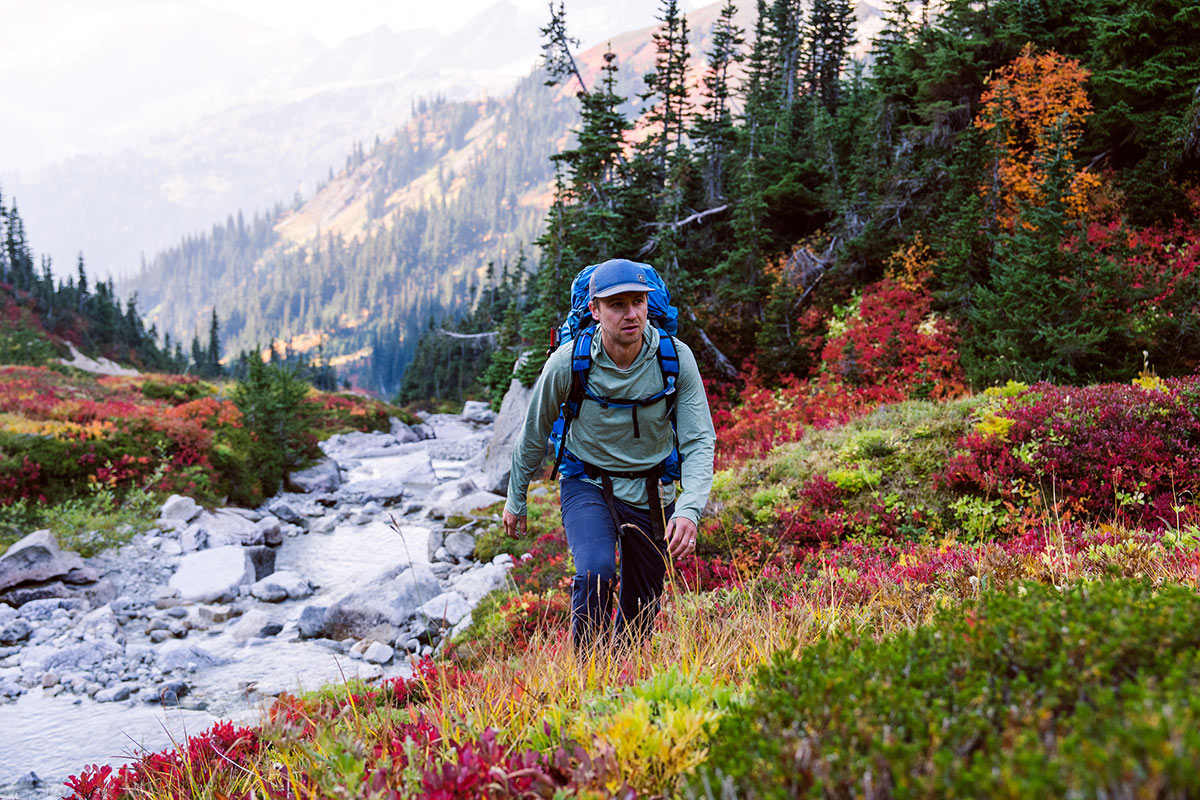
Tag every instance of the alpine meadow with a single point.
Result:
(937, 262)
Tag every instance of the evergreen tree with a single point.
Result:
(212, 355)
(1051, 309)
(828, 39)
(714, 128)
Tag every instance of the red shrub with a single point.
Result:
(1106, 451)
(893, 348)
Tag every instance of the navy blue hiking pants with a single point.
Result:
(594, 537)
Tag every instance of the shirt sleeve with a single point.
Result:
(697, 438)
(548, 395)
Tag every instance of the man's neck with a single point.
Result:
(622, 356)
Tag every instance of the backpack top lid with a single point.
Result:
(661, 314)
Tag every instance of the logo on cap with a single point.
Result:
(642, 277)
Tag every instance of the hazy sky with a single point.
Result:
(331, 22)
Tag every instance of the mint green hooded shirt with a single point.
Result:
(604, 436)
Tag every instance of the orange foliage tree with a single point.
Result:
(1034, 111)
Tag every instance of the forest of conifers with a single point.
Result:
(1023, 174)
(1014, 182)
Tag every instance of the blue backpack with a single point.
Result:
(580, 328)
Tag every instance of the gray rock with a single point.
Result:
(402, 433)
(344, 446)
(41, 610)
(9, 688)
(269, 630)
(321, 477)
(462, 448)
(423, 431)
(179, 508)
(263, 559)
(169, 694)
(115, 694)
(81, 576)
(390, 599)
(38, 659)
(478, 411)
(28, 782)
(192, 539)
(214, 614)
(183, 655)
(474, 584)
(461, 626)
(226, 528)
(325, 524)
(312, 622)
(247, 513)
(369, 672)
(279, 586)
(434, 543)
(382, 490)
(268, 592)
(7, 613)
(459, 544)
(378, 653)
(37, 557)
(446, 609)
(214, 575)
(471, 502)
(271, 530)
(286, 512)
(497, 456)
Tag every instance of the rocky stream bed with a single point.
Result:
(352, 573)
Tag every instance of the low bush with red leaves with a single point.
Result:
(1109, 452)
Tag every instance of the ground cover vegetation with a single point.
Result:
(947, 305)
(91, 456)
(864, 614)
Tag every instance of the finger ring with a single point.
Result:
(693, 542)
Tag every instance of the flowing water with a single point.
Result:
(57, 736)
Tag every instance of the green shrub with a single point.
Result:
(87, 524)
(1084, 692)
(27, 346)
(178, 391)
(271, 399)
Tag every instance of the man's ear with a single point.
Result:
(594, 307)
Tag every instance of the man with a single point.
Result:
(616, 447)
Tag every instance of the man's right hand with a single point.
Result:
(514, 526)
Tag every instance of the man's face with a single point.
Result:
(622, 317)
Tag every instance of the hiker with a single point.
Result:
(634, 419)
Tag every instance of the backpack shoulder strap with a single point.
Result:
(668, 362)
(581, 365)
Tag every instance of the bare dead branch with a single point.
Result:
(489, 336)
(723, 364)
(679, 223)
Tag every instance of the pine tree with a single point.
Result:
(714, 129)
(829, 35)
(212, 367)
(667, 84)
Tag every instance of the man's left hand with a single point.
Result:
(681, 537)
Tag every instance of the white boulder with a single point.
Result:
(446, 609)
(178, 507)
(214, 575)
